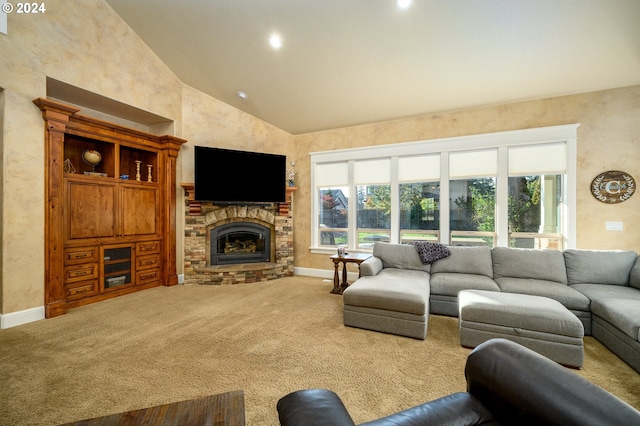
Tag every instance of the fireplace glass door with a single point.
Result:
(241, 242)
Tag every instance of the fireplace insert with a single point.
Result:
(239, 242)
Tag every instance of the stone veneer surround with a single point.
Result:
(196, 232)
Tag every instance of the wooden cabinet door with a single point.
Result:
(90, 210)
(140, 210)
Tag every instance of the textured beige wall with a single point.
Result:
(210, 122)
(608, 139)
(83, 43)
(1, 190)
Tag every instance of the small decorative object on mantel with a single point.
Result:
(613, 187)
(291, 178)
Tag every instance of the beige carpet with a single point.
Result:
(169, 344)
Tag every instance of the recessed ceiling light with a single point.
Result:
(242, 95)
(275, 41)
(403, 4)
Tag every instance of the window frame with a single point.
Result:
(566, 134)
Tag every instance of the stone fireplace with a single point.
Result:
(236, 244)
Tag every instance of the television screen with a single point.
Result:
(224, 175)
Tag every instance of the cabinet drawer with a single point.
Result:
(146, 262)
(147, 276)
(80, 272)
(81, 289)
(80, 255)
(148, 247)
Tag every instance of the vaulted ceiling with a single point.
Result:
(350, 62)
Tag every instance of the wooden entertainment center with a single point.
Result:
(110, 220)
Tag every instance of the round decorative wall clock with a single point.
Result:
(613, 187)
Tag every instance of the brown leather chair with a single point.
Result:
(507, 384)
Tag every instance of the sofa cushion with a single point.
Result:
(621, 313)
(401, 256)
(634, 276)
(449, 283)
(545, 265)
(607, 291)
(466, 260)
(569, 297)
(599, 266)
(400, 290)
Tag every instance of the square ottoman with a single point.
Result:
(539, 323)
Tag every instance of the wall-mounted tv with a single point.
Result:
(230, 176)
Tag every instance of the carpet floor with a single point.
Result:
(169, 344)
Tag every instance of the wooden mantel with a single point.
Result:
(195, 206)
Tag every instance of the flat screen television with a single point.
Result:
(230, 176)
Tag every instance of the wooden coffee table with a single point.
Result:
(225, 409)
(358, 258)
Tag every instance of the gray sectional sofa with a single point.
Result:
(396, 291)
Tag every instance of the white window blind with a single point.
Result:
(537, 159)
(372, 171)
(332, 174)
(472, 164)
(419, 168)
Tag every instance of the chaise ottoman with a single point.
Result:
(395, 301)
(543, 325)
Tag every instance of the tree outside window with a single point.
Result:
(419, 211)
(535, 211)
(474, 205)
(374, 214)
(333, 216)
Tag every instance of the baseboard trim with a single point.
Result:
(323, 273)
(14, 319)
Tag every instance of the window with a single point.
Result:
(473, 211)
(419, 193)
(373, 189)
(333, 216)
(504, 189)
(535, 197)
(332, 203)
(535, 204)
(472, 191)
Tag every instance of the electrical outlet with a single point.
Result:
(613, 226)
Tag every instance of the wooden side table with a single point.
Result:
(358, 258)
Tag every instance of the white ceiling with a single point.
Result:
(349, 62)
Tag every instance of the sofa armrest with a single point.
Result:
(370, 267)
(459, 409)
(313, 407)
(520, 386)
(634, 275)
